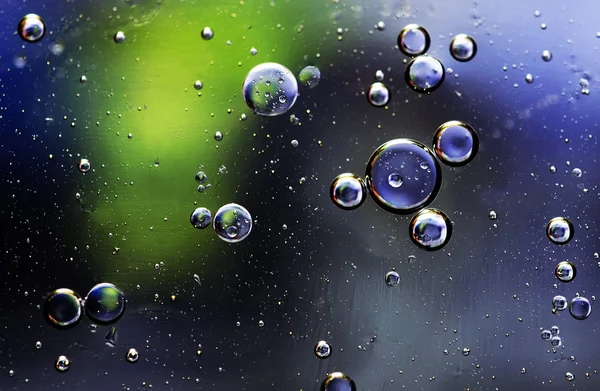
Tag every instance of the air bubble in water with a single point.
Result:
(424, 74)
(560, 230)
(218, 136)
(430, 229)
(200, 218)
(492, 215)
(569, 376)
(310, 76)
(322, 349)
(546, 335)
(201, 177)
(392, 278)
(264, 87)
(554, 330)
(105, 303)
(119, 37)
(31, 28)
(348, 191)
(379, 76)
(463, 48)
(232, 223)
(580, 308)
(378, 94)
(455, 143)
(62, 364)
(560, 303)
(576, 173)
(207, 33)
(565, 271)
(84, 165)
(62, 308)
(198, 85)
(338, 381)
(413, 40)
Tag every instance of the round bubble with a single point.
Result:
(378, 94)
(132, 355)
(455, 143)
(338, 381)
(84, 165)
(270, 89)
(310, 76)
(232, 223)
(105, 303)
(201, 177)
(119, 37)
(554, 330)
(62, 308)
(392, 278)
(556, 341)
(403, 176)
(560, 303)
(565, 271)
(463, 48)
(62, 364)
(425, 74)
(198, 85)
(200, 218)
(31, 28)
(322, 349)
(547, 56)
(580, 308)
(348, 191)
(430, 229)
(413, 40)
(560, 230)
(207, 33)
(546, 335)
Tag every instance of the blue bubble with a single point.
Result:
(425, 74)
(580, 308)
(455, 143)
(348, 191)
(105, 303)
(430, 229)
(200, 218)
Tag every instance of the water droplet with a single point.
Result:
(455, 143)
(546, 56)
(565, 271)
(424, 74)
(338, 381)
(62, 308)
(404, 157)
(379, 76)
(554, 330)
(560, 230)
(546, 335)
(348, 191)
(263, 95)
(84, 165)
(310, 76)
(560, 303)
(31, 28)
(466, 351)
(207, 33)
(395, 180)
(132, 355)
(218, 136)
(198, 85)
(232, 223)
(463, 48)
(201, 218)
(378, 94)
(392, 278)
(322, 349)
(413, 40)
(62, 364)
(430, 229)
(105, 303)
(569, 376)
(119, 37)
(580, 308)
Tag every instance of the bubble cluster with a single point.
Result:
(463, 48)
(322, 349)
(378, 94)
(338, 381)
(559, 303)
(31, 28)
(62, 308)
(560, 230)
(565, 271)
(430, 229)
(455, 143)
(310, 76)
(105, 303)
(348, 191)
(425, 74)
(201, 218)
(413, 40)
(403, 176)
(232, 223)
(392, 278)
(580, 308)
(270, 89)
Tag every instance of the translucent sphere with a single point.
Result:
(580, 308)
(569, 376)
(554, 330)
(31, 28)
(455, 143)
(200, 218)
(62, 364)
(132, 355)
(105, 303)
(560, 303)
(207, 33)
(201, 177)
(62, 308)
(338, 381)
(560, 230)
(556, 341)
(463, 48)
(119, 37)
(392, 278)
(565, 271)
(430, 229)
(546, 335)
(547, 56)
(218, 136)
(348, 191)
(84, 165)
(270, 89)
(322, 349)
(198, 85)
(425, 74)
(310, 76)
(232, 223)
(378, 94)
(413, 40)
(403, 176)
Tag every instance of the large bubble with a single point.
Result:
(430, 229)
(413, 40)
(270, 89)
(201, 218)
(348, 191)
(463, 48)
(403, 176)
(105, 303)
(232, 223)
(338, 381)
(31, 28)
(62, 308)
(560, 230)
(455, 143)
(580, 308)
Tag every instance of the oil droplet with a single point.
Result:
(580, 308)
(560, 303)
(265, 84)
(200, 218)
(392, 278)
(463, 48)
(310, 76)
(62, 308)
(105, 303)
(31, 28)
(413, 40)
(338, 381)
(455, 143)
(132, 355)
(348, 191)
(430, 229)
(207, 33)
(424, 74)
(546, 56)
(232, 223)
(560, 230)
(378, 94)
(62, 364)
(119, 37)
(84, 165)
(322, 349)
(565, 271)
(403, 157)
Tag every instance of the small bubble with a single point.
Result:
(569, 376)
(253, 51)
(119, 37)
(132, 355)
(463, 48)
(392, 278)
(413, 40)
(492, 215)
(207, 33)
(529, 78)
(565, 271)
(576, 173)
(294, 143)
(62, 364)
(379, 76)
(322, 349)
(546, 56)
(198, 85)
(31, 28)
(466, 351)
(261, 323)
(378, 94)
(560, 230)
(38, 345)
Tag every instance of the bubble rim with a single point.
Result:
(402, 33)
(423, 211)
(449, 124)
(436, 187)
(416, 88)
(468, 37)
(46, 308)
(22, 23)
(100, 321)
(363, 187)
(571, 229)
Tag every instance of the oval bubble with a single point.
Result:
(455, 143)
(430, 229)
(270, 89)
(232, 223)
(62, 308)
(560, 303)
(105, 303)
(348, 191)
